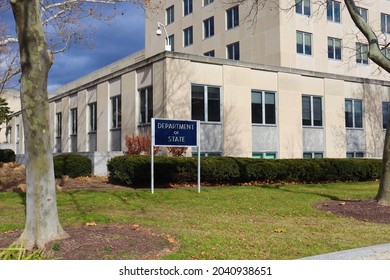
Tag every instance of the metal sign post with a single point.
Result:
(174, 133)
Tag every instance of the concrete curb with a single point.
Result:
(377, 252)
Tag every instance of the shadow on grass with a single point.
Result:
(291, 190)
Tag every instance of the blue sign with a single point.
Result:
(175, 133)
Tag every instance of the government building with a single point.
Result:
(277, 82)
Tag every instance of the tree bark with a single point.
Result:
(42, 223)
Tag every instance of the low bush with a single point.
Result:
(7, 155)
(135, 170)
(72, 165)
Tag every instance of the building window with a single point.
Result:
(210, 53)
(361, 53)
(386, 52)
(302, 7)
(208, 25)
(146, 105)
(303, 43)
(353, 113)
(92, 117)
(170, 14)
(232, 17)
(207, 2)
(355, 154)
(205, 103)
(363, 13)
(311, 110)
(73, 121)
(187, 5)
(333, 11)
(385, 23)
(17, 133)
(116, 109)
(233, 51)
(263, 107)
(188, 36)
(58, 125)
(334, 48)
(171, 42)
(264, 155)
(8, 134)
(313, 155)
(385, 114)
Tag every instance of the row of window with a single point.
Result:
(304, 46)
(206, 106)
(333, 10)
(273, 155)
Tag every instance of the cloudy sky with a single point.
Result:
(123, 36)
(113, 40)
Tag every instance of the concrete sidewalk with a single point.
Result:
(377, 252)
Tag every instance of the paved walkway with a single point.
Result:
(377, 252)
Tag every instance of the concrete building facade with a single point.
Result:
(272, 102)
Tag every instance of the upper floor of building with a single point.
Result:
(302, 34)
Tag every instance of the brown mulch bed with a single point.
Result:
(363, 210)
(105, 242)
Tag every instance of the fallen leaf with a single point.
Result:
(342, 203)
(135, 227)
(91, 224)
(280, 230)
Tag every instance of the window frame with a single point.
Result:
(73, 121)
(92, 117)
(208, 28)
(333, 49)
(303, 7)
(265, 118)
(363, 15)
(187, 7)
(233, 51)
(207, 2)
(385, 118)
(188, 36)
(354, 115)
(210, 53)
(206, 99)
(354, 154)
(332, 7)
(146, 94)
(265, 155)
(361, 56)
(312, 155)
(385, 23)
(313, 112)
(58, 124)
(170, 14)
(116, 112)
(305, 46)
(232, 17)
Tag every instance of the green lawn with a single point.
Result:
(253, 222)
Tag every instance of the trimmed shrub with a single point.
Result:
(135, 170)
(7, 155)
(220, 170)
(72, 165)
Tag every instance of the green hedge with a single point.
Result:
(7, 155)
(135, 170)
(72, 165)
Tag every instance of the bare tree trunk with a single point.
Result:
(375, 54)
(42, 223)
(383, 195)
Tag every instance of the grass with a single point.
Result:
(252, 222)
